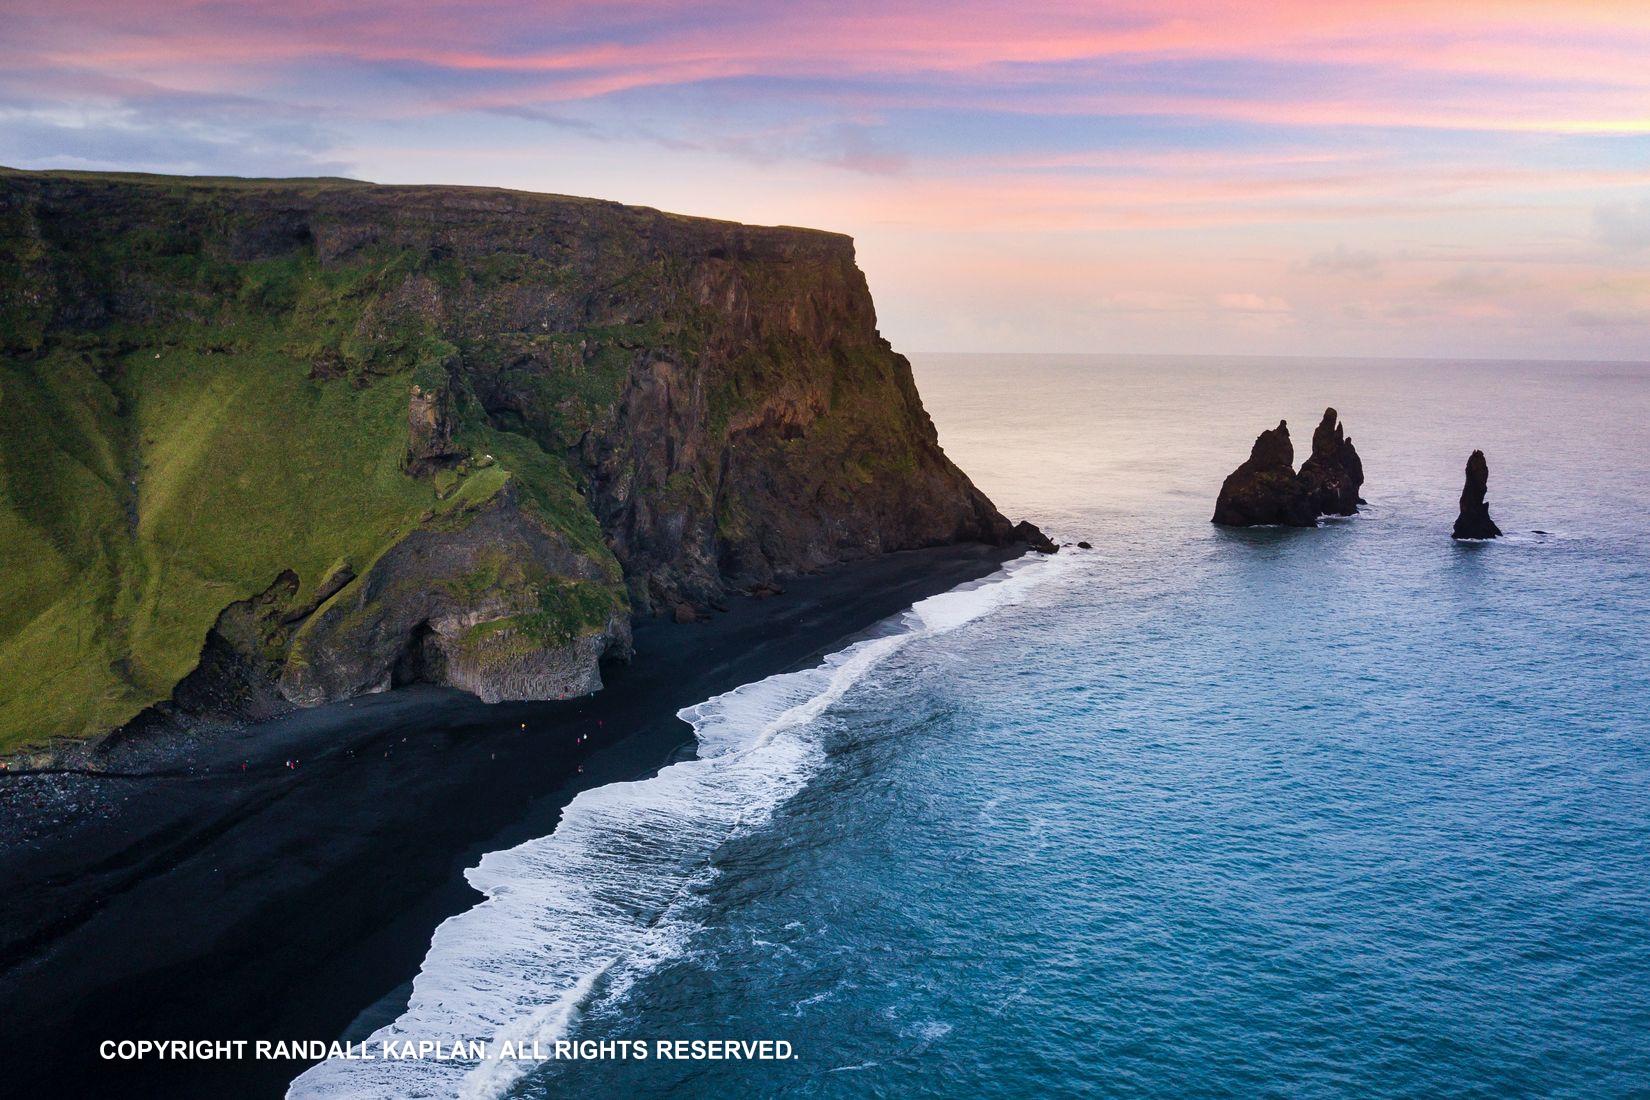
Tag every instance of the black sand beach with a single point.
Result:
(224, 894)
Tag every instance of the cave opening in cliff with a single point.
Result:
(421, 660)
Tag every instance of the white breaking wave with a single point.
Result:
(614, 883)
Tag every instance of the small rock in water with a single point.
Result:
(1085, 546)
(1029, 533)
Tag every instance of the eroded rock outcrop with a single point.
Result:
(1029, 533)
(430, 426)
(1332, 474)
(1474, 520)
(1264, 490)
(1268, 491)
(500, 604)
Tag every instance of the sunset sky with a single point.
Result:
(1403, 177)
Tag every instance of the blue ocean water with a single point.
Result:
(1357, 811)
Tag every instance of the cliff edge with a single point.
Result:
(270, 443)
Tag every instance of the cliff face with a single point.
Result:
(271, 443)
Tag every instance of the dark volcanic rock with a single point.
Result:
(1333, 473)
(1029, 533)
(1474, 521)
(1264, 490)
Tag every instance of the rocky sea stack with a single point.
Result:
(1333, 473)
(1267, 491)
(1474, 521)
(271, 443)
(1264, 490)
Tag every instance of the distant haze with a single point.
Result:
(1409, 178)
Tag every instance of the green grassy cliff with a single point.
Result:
(266, 443)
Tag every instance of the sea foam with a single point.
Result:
(610, 893)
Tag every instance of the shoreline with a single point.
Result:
(208, 901)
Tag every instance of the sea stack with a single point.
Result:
(1333, 474)
(1264, 490)
(1474, 522)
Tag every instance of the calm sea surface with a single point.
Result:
(1357, 811)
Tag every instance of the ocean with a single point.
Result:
(1354, 811)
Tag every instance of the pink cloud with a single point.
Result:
(1593, 50)
(1224, 234)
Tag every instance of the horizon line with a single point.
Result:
(1293, 355)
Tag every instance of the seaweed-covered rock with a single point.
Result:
(1474, 522)
(1264, 490)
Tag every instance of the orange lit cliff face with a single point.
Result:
(1359, 177)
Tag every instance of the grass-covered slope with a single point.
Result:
(146, 489)
(223, 422)
(460, 419)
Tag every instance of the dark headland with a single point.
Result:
(272, 447)
(277, 443)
